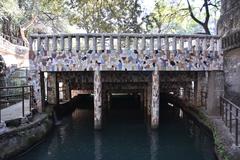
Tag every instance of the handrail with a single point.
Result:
(139, 35)
(9, 87)
(231, 102)
(23, 95)
(230, 113)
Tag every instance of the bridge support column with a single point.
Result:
(52, 95)
(149, 99)
(155, 100)
(97, 100)
(214, 91)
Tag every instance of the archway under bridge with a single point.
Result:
(60, 87)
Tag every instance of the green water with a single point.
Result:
(126, 136)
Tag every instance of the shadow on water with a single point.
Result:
(126, 136)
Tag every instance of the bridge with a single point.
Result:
(142, 64)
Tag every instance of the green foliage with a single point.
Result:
(166, 17)
(51, 16)
(106, 15)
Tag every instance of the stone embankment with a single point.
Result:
(18, 135)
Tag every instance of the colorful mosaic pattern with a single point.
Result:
(127, 60)
(155, 99)
(97, 99)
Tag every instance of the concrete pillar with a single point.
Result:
(42, 83)
(97, 100)
(197, 89)
(57, 90)
(149, 99)
(109, 100)
(214, 91)
(52, 88)
(155, 99)
(142, 100)
(145, 98)
(199, 85)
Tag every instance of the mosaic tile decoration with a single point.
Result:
(127, 60)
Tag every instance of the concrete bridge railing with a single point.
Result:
(128, 51)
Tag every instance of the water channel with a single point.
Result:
(126, 135)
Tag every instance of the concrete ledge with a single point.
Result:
(18, 139)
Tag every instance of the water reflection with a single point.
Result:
(126, 137)
(154, 140)
(97, 145)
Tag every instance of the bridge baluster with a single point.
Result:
(127, 43)
(77, 43)
(211, 48)
(103, 42)
(197, 46)
(174, 44)
(219, 45)
(38, 43)
(111, 43)
(46, 43)
(94, 44)
(158, 42)
(152, 44)
(204, 44)
(69, 43)
(135, 43)
(166, 45)
(143, 45)
(62, 42)
(54, 42)
(190, 44)
(181, 44)
(119, 44)
(86, 42)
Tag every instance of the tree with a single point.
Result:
(20, 16)
(166, 17)
(106, 15)
(206, 7)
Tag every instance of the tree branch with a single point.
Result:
(192, 15)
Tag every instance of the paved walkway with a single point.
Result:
(15, 111)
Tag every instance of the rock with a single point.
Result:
(13, 122)
(3, 128)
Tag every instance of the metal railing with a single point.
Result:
(10, 96)
(230, 115)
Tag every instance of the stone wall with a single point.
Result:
(16, 140)
(229, 29)
(229, 20)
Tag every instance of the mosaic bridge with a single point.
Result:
(118, 52)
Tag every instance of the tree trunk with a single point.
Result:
(206, 29)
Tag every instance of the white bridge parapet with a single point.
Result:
(79, 52)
